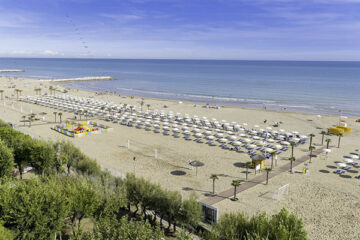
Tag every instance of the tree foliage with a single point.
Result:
(281, 226)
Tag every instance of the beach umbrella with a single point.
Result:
(207, 133)
(296, 139)
(256, 137)
(219, 135)
(270, 140)
(252, 146)
(196, 164)
(231, 137)
(198, 135)
(236, 143)
(176, 130)
(242, 135)
(341, 164)
(222, 140)
(186, 132)
(269, 150)
(268, 128)
(348, 160)
(278, 146)
(210, 137)
(285, 143)
(281, 130)
(354, 156)
(196, 130)
(247, 140)
(256, 126)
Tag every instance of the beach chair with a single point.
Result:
(237, 149)
(187, 137)
(358, 177)
(224, 146)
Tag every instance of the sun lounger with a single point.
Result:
(339, 171)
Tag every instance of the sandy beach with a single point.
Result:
(327, 202)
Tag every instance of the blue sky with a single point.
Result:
(182, 29)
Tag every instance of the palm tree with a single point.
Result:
(17, 91)
(311, 137)
(235, 184)
(55, 113)
(292, 144)
(2, 94)
(23, 117)
(125, 105)
(322, 138)
(31, 118)
(60, 114)
(272, 159)
(141, 104)
(328, 140)
(79, 112)
(85, 114)
(214, 177)
(340, 135)
(248, 165)
(37, 91)
(268, 170)
(148, 106)
(291, 164)
(311, 148)
(109, 110)
(131, 108)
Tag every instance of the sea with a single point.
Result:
(298, 86)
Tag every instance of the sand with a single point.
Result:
(328, 203)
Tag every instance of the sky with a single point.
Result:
(182, 29)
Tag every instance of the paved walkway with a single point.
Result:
(257, 180)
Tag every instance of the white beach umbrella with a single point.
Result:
(326, 150)
(348, 160)
(222, 140)
(256, 137)
(269, 150)
(219, 135)
(236, 143)
(256, 126)
(270, 140)
(186, 132)
(231, 137)
(278, 146)
(268, 128)
(210, 137)
(247, 140)
(198, 135)
(252, 146)
(285, 143)
(341, 164)
(354, 156)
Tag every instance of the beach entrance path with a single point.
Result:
(257, 180)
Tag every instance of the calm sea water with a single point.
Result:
(314, 87)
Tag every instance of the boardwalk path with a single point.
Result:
(256, 180)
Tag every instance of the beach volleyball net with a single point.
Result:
(158, 153)
(281, 191)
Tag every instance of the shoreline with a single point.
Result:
(200, 104)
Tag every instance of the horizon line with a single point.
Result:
(181, 59)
